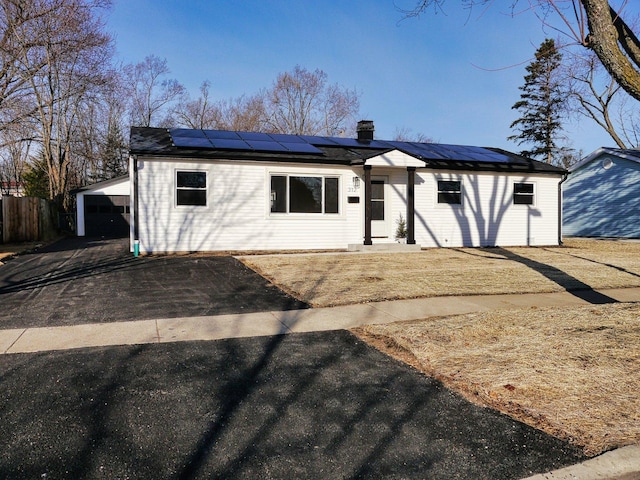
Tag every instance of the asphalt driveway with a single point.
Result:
(314, 406)
(78, 280)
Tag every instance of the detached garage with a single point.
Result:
(103, 209)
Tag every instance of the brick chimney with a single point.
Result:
(365, 130)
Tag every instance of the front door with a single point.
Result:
(379, 223)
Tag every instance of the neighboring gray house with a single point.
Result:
(601, 197)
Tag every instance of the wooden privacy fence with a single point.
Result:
(26, 219)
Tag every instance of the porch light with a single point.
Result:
(356, 182)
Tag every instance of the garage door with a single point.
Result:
(106, 215)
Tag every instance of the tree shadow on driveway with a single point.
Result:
(318, 405)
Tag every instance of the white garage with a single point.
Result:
(103, 209)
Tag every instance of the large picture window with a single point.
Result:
(450, 191)
(191, 188)
(523, 194)
(304, 194)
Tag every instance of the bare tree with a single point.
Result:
(13, 157)
(594, 94)
(20, 43)
(593, 24)
(200, 113)
(151, 94)
(302, 102)
(74, 52)
(299, 102)
(245, 113)
(406, 134)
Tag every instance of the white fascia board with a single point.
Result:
(394, 159)
(105, 185)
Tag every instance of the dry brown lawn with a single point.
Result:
(345, 278)
(572, 372)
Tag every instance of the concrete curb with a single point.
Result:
(620, 464)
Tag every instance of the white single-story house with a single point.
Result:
(103, 209)
(213, 190)
(601, 197)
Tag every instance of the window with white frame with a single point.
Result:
(304, 194)
(523, 194)
(450, 192)
(191, 188)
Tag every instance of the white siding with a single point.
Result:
(237, 215)
(487, 216)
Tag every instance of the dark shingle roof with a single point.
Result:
(325, 150)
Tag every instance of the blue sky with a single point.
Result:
(452, 76)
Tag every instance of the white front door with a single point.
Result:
(379, 216)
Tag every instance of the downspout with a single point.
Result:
(136, 229)
(367, 205)
(411, 182)
(564, 178)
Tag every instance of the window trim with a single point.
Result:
(177, 188)
(460, 192)
(523, 195)
(288, 213)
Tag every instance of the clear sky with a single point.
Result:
(452, 76)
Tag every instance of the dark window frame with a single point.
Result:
(447, 194)
(524, 193)
(325, 201)
(191, 193)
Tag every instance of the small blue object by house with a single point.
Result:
(601, 197)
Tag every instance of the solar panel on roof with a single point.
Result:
(186, 132)
(230, 144)
(264, 146)
(191, 142)
(423, 150)
(323, 141)
(221, 134)
(348, 142)
(283, 138)
(300, 147)
(379, 144)
(439, 151)
(257, 136)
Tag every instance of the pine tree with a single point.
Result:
(113, 153)
(542, 104)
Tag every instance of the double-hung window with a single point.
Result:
(191, 188)
(304, 194)
(523, 194)
(450, 191)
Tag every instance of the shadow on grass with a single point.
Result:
(570, 283)
(604, 264)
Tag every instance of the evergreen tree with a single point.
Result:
(542, 103)
(113, 153)
(36, 178)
